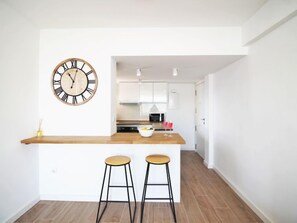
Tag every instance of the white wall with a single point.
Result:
(255, 143)
(183, 116)
(270, 16)
(98, 46)
(18, 113)
(66, 174)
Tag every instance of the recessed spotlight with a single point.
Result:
(174, 72)
(138, 72)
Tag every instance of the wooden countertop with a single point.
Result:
(117, 138)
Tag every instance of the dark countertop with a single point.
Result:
(158, 126)
(133, 122)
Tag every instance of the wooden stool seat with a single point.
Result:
(117, 160)
(157, 159)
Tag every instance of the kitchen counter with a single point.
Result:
(72, 167)
(158, 126)
(117, 138)
(134, 122)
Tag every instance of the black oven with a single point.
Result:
(127, 128)
(156, 117)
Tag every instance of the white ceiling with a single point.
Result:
(135, 13)
(159, 68)
(145, 13)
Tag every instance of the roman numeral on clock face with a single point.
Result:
(59, 73)
(83, 97)
(73, 63)
(91, 91)
(74, 100)
(82, 67)
(65, 66)
(57, 82)
(58, 91)
(65, 97)
(89, 72)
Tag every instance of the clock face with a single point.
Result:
(74, 81)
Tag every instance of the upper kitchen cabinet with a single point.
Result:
(160, 92)
(153, 92)
(146, 92)
(129, 92)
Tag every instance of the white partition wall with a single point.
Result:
(18, 113)
(255, 124)
(75, 172)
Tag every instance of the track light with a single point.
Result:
(174, 72)
(138, 72)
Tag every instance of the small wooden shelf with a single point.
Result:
(117, 138)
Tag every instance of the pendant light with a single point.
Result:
(138, 72)
(174, 72)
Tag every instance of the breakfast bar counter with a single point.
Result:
(117, 138)
(72, 167)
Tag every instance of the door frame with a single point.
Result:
(198, 119)
(209, 121)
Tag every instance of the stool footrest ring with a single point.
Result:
(119, 186)
(157, 198)
(157, 184)
(113, 201)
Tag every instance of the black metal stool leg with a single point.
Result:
(98, 218)
(170, 192)
(108, 185)
(133, 191)
(130, 213)
(144, 191)
(168, 187)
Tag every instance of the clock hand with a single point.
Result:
(73, 80)
(71, 77)
(75, 75)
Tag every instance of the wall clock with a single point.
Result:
(74, 81)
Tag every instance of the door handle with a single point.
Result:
(203, 119)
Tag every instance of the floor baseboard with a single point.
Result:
(22, 210)
(207, 165)
(246, 200)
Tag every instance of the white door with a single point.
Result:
(200, 120)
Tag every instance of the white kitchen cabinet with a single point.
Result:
(129, 92)
(160, 92)
(146, 92)
(153, 92)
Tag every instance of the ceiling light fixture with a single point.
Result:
(138, 72)
(174, 72)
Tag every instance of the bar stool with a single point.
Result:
(117, 161)
(157, 159)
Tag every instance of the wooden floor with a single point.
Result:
(205, 197)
